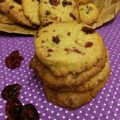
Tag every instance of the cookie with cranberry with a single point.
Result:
(89, 13)
(31, 10)
(14, 10)
(78, 82)
(5, 19)
(58, 10)
(83, 2)
(68, 57)
(15, 28)
(92, 82)
(73, 100)
(68, 51)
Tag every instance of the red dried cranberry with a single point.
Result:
(13, 60)
(88, 44)
(11, 92)
(65, 3)
(73, 16)
(2, 1)
(88, 30)
(13, 110)
(56, 39)
(29, 112)
(54, 2)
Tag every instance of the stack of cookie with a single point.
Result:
(71, 61)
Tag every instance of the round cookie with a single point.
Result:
(5, 20)
(58, 10)
(71, 80)
(83, 2)
(31, 10)
(89, 13)
(72, 100)
(13, 9)
(92, 83)
(68, 47)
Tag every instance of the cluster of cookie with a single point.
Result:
(71, 61)
(15, 15)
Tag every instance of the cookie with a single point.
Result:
(92, 83)
(31, 10)
(71, 80)
(72, 100)
(58, 10)
(14, 10)
(68, 47)
(89, 13)
(15, 28)
(83, 2)
(5, 20)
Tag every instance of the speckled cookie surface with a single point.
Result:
(5, 19)
(82, 2)
(88, 13)
(72, 100)
(14, 10)
(46, 75)
(31, 10)
(92, 83)
(58, 10)
(68, 47)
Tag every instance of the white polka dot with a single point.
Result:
(58, 114)
(63, 117)
(41, 106)
(49, 117)
(92, 117)
(44, 114)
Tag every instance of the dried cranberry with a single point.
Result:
(13, 110)
(29, 112)
(56, 39)
(54, 2)
(88, 30)
(73, 16)
(88, 44)
(2, 1)
(13, 60)
(11, 92)
(65, 3)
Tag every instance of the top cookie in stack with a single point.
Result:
(68, 55)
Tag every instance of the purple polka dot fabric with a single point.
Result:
(106, 106)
